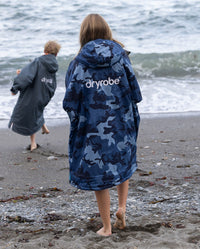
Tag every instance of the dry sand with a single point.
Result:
(39, 209)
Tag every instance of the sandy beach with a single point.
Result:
(39, 209)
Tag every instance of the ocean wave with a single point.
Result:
(169, 83)
(176, 64)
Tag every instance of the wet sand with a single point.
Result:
(39, 209)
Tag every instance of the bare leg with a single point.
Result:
(122, 198)
(33, 143)
(103, 200)
(45, 129)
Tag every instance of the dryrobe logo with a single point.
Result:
(45, 80)
(100, 83)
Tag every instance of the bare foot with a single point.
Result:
(33, 147)
(120, 220)
(45, 130)
(102, 232)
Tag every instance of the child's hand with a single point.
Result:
(18, 71)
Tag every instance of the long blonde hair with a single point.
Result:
(95, 27)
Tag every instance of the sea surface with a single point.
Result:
(163, 37)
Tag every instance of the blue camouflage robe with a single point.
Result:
(100, 99)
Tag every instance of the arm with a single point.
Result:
(69, 73)
(25, 77)
(18, 72)
(136, 93)
(73, 92)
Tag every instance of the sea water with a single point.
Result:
(163, 37)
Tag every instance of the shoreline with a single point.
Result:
(40, 209)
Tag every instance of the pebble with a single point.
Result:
(143, 189)
(52, 158)
(158, 164)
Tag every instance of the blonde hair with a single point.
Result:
(52, 47)
(95, 27)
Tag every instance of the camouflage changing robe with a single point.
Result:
(100, 99)
(36, 84)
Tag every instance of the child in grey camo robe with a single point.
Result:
(101, 101)
(36, 83)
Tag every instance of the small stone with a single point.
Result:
(52, 158)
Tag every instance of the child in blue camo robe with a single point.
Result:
(100, 99)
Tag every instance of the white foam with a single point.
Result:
(169, 95)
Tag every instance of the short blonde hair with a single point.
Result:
(52, 47)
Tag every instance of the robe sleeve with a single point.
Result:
(73, 94)
(136, 93)
(25, 78)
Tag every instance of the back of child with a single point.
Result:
(101, 99)
(36, 83)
